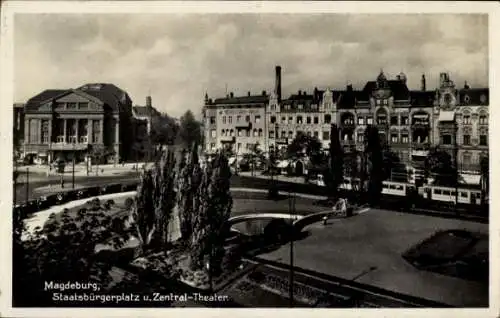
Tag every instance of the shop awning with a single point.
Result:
(446, 115)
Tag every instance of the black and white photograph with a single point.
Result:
(247, 158)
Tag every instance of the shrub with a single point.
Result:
(65, 211)
(82, 211)
(128, 203)
(111, 202)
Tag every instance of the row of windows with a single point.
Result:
(466, 120)
(447, 139)
(239, 146)
(241, 133)
(82, 106)
(229, 119)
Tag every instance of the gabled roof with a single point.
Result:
(109, 94)
(34, 102)
(243, 100)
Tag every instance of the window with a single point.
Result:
(273, 119)
(328, 119)
(283, 120)
(394, 138)
(212, 146)
(255, 132)
(466, 159)
(96, 131)
(213, 133)
(394, 120)
(257, 119)
(404, 138)
(231, 133)
(223, 132)
(466, 140)
(463, 194)
(361, 120)
(261, 133)
(404, 120)
(283, 134)
(212, 120)
(483, 140)
(378, 102)
(316, 134)
(369, 121)
(360, 137)
(381, 120)
(238, 118)
(70, 105)
(271, 134)
(290, 120)
(83, 106)
(386, 102)
(326, 135)
(247, 118)
(316, 119)
(466, 119)
(446, 139)
(483, 120)
(308, 119)
(45, 131)
(239, 146)
(299, 119)
(240, 133)
(230, 119)
(290, 134)
(248, 132)
(223, 119)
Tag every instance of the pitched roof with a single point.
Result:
(110, 94)
(422, 98)
(474, 96)
(399, 89)
(34, 102)
(242, 100)
(142, 111)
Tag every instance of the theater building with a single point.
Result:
(72, 123)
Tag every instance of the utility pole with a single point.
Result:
(291, 207)
(27, 184)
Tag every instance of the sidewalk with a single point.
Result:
(258, 174)
(81, 169)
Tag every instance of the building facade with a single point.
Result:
(74, 122)
(409, 121)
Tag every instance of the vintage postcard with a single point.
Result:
(186, 156)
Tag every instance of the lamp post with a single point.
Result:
(73, 169)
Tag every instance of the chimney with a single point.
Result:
(466, 86)
(304, 93)
(264, 93)
(422, 86)
(231, 95)
(398, 77)
(148, 101)
(300, 92)
(249, 93)
(277, 83)
(349, 88)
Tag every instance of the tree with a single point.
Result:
(374, 164)
(304, 144)
(439, 164)
(391, 164)
(210, 224)
(334, 176)
(188, 184)
(485, 174)
(154, 203)
(164, 130)
(189, 130)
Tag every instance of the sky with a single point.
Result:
(176, 58)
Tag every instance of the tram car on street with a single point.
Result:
(462, 195)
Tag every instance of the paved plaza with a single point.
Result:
(370, 245)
